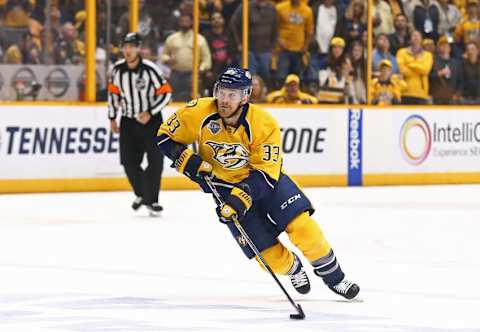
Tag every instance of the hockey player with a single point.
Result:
(240, 148)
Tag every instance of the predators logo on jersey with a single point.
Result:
(232, 151)
(241, 241)
(229, 155)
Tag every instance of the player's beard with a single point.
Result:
(228, 115)
(226, 109)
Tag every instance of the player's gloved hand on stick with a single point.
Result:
(236, 205)
(192, 165)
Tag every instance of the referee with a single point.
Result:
(138, 89)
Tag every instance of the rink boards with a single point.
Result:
(48, 147)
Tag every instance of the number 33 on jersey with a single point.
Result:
(255, 144)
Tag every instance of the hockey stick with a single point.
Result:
(300, 314)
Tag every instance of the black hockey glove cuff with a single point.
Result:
(192, 165)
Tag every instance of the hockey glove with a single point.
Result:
(236, 205)
(192, 165)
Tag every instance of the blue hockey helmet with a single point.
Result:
(234, 78)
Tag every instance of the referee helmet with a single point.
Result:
(132, 38)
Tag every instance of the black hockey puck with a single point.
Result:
(300, 315)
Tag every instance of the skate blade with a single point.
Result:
(153, 214)
(356, 299)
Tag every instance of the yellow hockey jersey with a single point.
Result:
(468, 31)
(387, 93)
(233, 152)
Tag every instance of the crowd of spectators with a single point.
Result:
(300, 51)
(26, 38)
(426, 52)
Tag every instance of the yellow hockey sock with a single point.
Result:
(279, 258)
(307, 236)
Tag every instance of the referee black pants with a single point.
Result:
(137, 139)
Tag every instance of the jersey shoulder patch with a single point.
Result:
(192, 103)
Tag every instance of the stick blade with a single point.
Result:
(299, 315)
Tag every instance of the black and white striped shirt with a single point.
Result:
(137, 90)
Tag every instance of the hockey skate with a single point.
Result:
(299, 277)
(137, 203)
(347, 289)
(154, 209)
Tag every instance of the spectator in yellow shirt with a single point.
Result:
(26, 51)
(290, 93)
(469, 29)
(17, 13)
(295, 27)
(207, 9)
(415, 65)
(428, 45)
(13, 55)
(387, 88)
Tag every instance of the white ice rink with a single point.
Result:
(86, 262)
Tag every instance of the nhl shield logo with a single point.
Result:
(214, 127)
(140, 83)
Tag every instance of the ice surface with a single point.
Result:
(86, 262)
